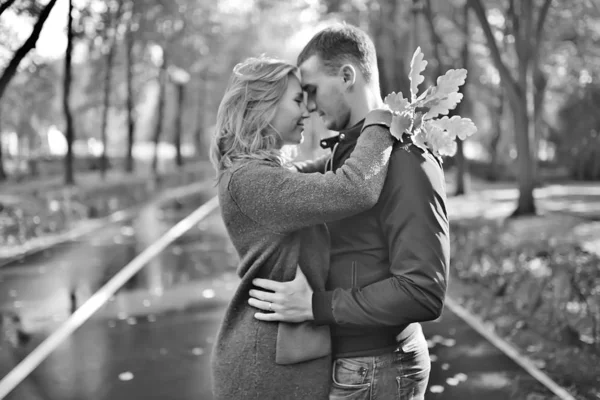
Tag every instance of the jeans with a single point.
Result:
(402, 374)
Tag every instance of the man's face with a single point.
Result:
(326, 94)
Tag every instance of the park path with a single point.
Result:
(153, 340)
(153, 345)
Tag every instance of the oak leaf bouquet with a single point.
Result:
(419, 115)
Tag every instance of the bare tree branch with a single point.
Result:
(29, 44)
(540, 79)
(594, 5)
(505, 74)
(5, 5)
(541, 20)
(514, 21)
(526, 45)
(437, 41)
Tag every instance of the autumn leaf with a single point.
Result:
(420, 140)
(417, 116)
(396, 102)
(439, 140)
(401, 122)
(443, 144)
(417, 65)
(444, 105)
(450, 82)
(456, 126)
(446, 92)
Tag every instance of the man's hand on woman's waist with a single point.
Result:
(285, 301)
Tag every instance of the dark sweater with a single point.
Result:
(275, 220)
(389, 264)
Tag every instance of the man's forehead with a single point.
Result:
(310, 70)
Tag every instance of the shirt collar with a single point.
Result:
(348, 135)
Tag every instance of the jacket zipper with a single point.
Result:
(332, 156)
(353, 274)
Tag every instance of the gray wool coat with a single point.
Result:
(275, 219)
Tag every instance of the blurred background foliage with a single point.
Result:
(154, 71)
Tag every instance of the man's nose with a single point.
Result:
(305, 112)
(311, 105)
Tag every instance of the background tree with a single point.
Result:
(117, 106)
(443, 61)
(70, 131)
(160, 108)
(180, 79)
(113, 16)
(5, 5)
(527, 27)
(11, 69)
(35, 89)
(131, 28)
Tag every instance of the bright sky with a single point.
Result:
(53, 41)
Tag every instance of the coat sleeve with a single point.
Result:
(312, 166)
(284, 201)
(414, 222)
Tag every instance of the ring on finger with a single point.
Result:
(270, 306)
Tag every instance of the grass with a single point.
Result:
(496, 273)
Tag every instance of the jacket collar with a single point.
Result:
(348, 135)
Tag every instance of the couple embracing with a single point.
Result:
(340, 257)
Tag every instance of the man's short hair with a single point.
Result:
(342, 44)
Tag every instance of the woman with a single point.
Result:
(275, 220)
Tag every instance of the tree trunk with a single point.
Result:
(435, 38)
(517, 91)
(105, 110)
(179, 123)
(414, 27)
(498, 111)
(383, 45)
(461, 169)
(461, 162)
(538, 87)
(129, 161)
(70, 134)
(29, 44)
(162, 83)
(2, 171)
(526, 179)
(539, 91)
(391, 60)
(199, 131)
(111, 38)
(523, 114)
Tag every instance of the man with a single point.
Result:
(389, 265)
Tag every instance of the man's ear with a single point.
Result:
(348, 75)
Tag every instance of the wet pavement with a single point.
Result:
(153, 339)
(192, 277)
(167, 357)
(467, 366)
(161, 357)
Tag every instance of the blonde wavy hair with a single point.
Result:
(255, 88)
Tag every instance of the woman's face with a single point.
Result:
(291, 113)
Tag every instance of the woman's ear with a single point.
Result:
(348, 75)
